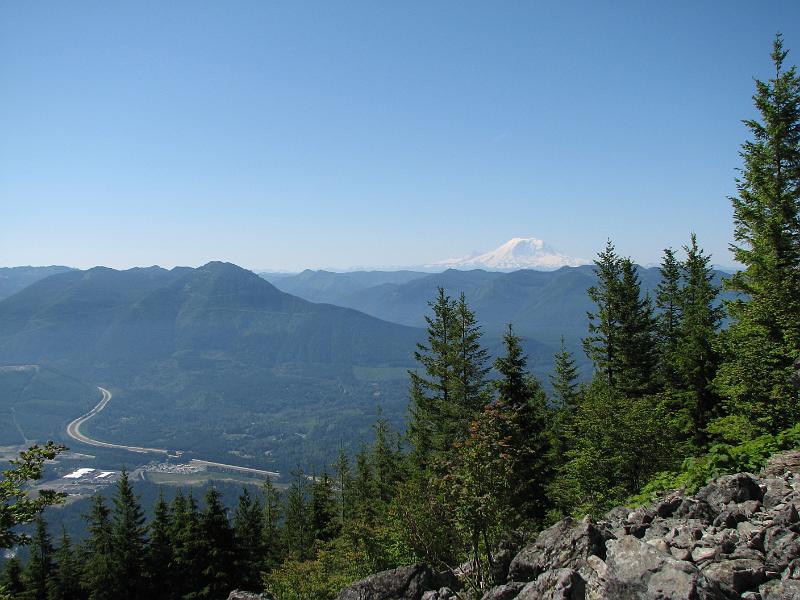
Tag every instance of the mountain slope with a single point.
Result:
(325, 286)
(15, 279)
(213, 360)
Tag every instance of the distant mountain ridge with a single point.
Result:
(214, 359)
(15, 279)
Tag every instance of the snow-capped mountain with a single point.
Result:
(516, 253)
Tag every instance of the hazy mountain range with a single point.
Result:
(218, 361)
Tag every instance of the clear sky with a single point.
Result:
(286, 135)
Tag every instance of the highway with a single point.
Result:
(74, 430)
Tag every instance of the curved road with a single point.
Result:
(74, 430)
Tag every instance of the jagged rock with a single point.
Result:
(504, 592)
(781, 547)
(566, 544)
(736, 575)
(782, 462)
(559, 584)
(444, 593)
(668, 504)
(403, 583)
(242, 595)
(637, 571)
(730, 488)
(780, 590)
(700, 510)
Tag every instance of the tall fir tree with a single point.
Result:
(386, 459)
(696, 357)
(218, 556)
(432, 390)
(323, 508)
(187, 544)
(453, 388)
(248, 527)
(40, 569)
(66, 581)
(298, 531)
(271, 533)
(159, 559)
(344, 481)
(11, 579)
(527, 427)
(99, 571)
(601, 345)
(470, 369)
(129, 535)
(764, 337)
(564, 380)
(621, 340)
(636, 337)
(669, 302)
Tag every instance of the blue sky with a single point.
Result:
(337, 134)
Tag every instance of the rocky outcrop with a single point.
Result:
(240, 595)
(405, 583)
(738, 537)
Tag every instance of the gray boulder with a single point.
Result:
(242, 595)
(559, 584)
(507, 591)
(737, 488)
(565, 545)
(780, 590)
(403, 583)
(635, 570)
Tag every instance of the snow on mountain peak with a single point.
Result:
(516, 253)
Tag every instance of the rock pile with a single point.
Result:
(737, 538)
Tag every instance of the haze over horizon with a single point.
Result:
(285, 137)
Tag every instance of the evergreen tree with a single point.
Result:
(432, 393)
(298, 532)
(616, 443)
(669, 302)
(601, 345)
(386, 458)
(11, 579)
(522, 397)
(248, 527)
(187, 544)
(159, 559)
(363, 487)
(271, 534)
(218, 556)
(38, 573)
(323, 508)
(564, 380)
(453, 388)
(66, 582)
(763, 340)
(621, 341)
(343, 482)
(636, 337)
(566, 391)
(99, 572)
(470, 388)
(697, 360)
(129, 536)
